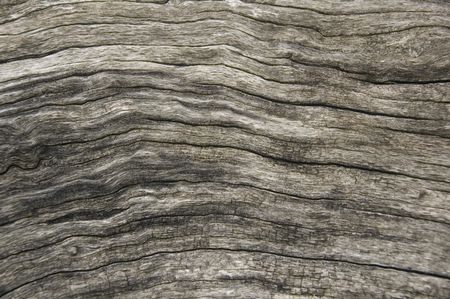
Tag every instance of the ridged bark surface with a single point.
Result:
(225, 149)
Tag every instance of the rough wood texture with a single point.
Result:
(225, 149)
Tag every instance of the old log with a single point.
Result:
(225, 149)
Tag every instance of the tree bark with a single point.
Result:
(225, 149)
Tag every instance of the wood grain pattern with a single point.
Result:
(224, 149)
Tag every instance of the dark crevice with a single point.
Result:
(252, 251)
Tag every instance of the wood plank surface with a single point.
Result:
(225, 149)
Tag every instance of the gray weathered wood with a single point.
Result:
(225, 149)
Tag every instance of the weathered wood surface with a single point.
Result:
(225, 149)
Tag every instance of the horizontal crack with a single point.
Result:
(253, 251)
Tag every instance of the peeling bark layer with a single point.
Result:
(225, 149)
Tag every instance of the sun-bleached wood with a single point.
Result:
(224, 149)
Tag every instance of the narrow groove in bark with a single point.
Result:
(337, 261)
(269, 99)
(264, 155)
